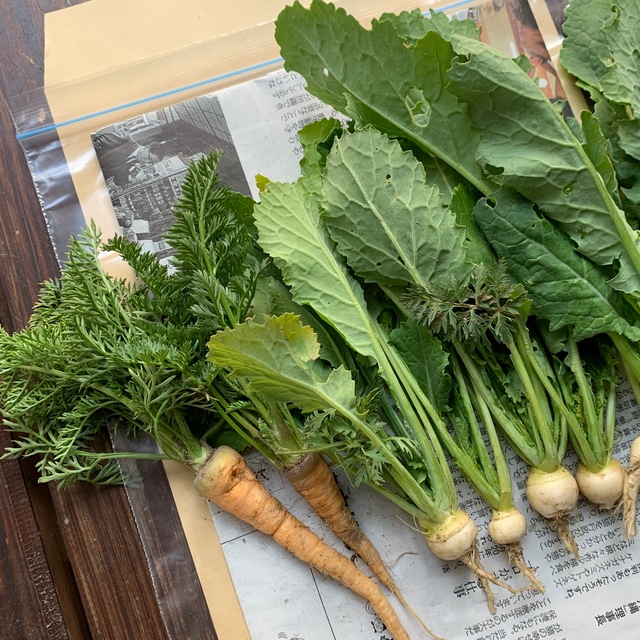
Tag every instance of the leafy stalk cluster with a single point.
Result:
(88, 356)
(98, 349)
(475, 118)
(489, 304)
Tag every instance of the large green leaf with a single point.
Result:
(584, 50)
(528, 147)
(414, 25)
(601, 50)
(375, 77)
(392, 228)
(280, 358)
(291, 232)
(423, 354)
(566, 289)
(621, 31)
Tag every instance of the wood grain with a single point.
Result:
(26, 257)
(71, 563)
(29, 602)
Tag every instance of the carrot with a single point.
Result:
(631, 488)
(228, 482)
(313, 480)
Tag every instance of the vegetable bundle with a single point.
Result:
(600, 50)
(98, 350)
(485, 125)
(455, 269)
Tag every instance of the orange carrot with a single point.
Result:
(227, 481)
(313, 480)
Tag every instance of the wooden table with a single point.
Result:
(71, 563)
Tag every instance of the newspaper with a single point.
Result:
(256, 124)
(586, 599)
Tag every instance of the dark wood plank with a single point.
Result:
(39, 597)
(82, 541)
(28, 600)
(186, 613)
(26, 257)
(109, 563)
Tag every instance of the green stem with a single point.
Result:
(286, 435)
(477, 439)
(480, 478)
(524, 342)
(242, 425)
(593, 453)
(413, 403)
(399, 501)
(405, 480)
(610, 418)
(626, 234)
(578, 437)
(505, 501)
(527, 451)
(103, 455)
(397, 426)
(550, 461)
(196, 451)
(630, 360)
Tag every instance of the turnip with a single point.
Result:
(292, 232)
(604, 487)
(554, 495)
(585, 366)
(454, 538)
(369, 184)
(507, 527)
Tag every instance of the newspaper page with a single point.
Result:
(589, 598)
(256, 124)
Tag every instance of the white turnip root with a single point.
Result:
(554, 495)
(507, 528)
(604, 487)
(456, 539)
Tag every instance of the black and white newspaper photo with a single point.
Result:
(145, 159)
